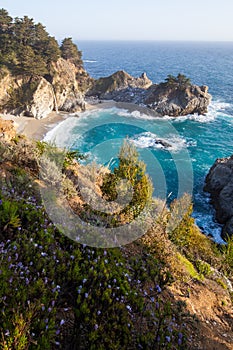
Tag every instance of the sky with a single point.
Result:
(199, 20)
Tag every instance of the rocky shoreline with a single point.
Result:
(219, 183)
(175, 97)
(70, 88)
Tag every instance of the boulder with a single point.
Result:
(219, 183)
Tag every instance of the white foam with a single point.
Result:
(89, 61)
(61, 133)
(135, 114)
(215, 109)
(172, 142)
(208, 226)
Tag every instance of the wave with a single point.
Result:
(135, 114)
(62, 132)
(172, 142)
(215, 109)
(89, 61)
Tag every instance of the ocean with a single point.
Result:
(194, 142)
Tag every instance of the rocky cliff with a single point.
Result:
(62, 89)
(174, 98)
(219, 183)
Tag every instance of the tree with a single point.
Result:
(69, 51)
(30, 63)
(134, 171)
(6, 43)
(180, 81)
(46, 45)
(24, 31)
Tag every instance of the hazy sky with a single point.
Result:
(130, 19)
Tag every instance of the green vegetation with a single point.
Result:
(27, 48)
(58, 294)
(133, 171)
(69, 51)
(180, 81)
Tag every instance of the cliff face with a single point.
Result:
(219, 183)
(165, 99)
(69, 84)
(62, 90)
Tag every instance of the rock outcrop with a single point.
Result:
(177, 100)
(69, 84)
(219, 183)
(173, 99)
(7, 130)
(36, 97)
(116, 84)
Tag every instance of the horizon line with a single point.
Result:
(157, 40)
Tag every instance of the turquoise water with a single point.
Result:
(192, 143)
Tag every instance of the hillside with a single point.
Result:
(169, 289)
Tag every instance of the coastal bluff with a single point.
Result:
(174, 97)
(68, 88)
(37, 96)
(219, 183)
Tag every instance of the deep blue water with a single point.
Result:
(195, 141)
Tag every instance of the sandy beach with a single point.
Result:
(37, 128)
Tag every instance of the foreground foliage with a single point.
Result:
(58, 294)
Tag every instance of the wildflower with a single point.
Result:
(62, 322)
(168, 339)
(96, 327)
(157, 287)
(128, 307)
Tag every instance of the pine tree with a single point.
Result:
(70, 52)
(6, 43)
(30, 64)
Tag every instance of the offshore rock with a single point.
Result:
(219, 183)
(177, 100)
(173, 99)
(118, 83)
